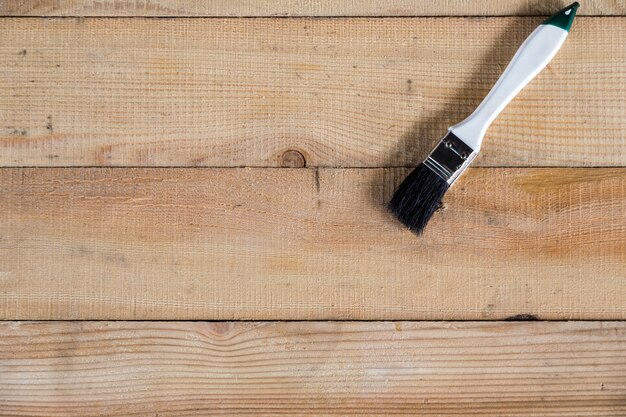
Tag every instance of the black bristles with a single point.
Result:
(417, 198)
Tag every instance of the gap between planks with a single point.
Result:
(296, 8)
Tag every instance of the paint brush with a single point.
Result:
(420, 194)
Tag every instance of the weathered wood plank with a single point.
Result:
(300, 8)
(312, 368)
(341, 92)
(308, 244)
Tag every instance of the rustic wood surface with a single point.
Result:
(426, 369)
(354, 100)
(198, 243)
(301, 8)
(332, 92)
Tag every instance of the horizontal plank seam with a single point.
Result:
(502, 321)
(315, 167)
(301, 17)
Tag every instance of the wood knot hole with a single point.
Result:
(292, 159)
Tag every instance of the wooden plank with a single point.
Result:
(312, 368)
(308, 244)
(339, 92)
(252, 8)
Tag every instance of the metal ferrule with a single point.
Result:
(450, 158)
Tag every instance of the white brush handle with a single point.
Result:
(534, 54)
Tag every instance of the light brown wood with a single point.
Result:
(311, 368)
(301, 8)
(308, 244)
(341, 92)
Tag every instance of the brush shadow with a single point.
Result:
(415, 145)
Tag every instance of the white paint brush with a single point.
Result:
(420, 194)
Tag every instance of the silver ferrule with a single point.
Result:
(450, 158)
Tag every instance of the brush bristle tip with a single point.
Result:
(417, 198)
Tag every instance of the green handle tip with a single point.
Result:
(564, 17)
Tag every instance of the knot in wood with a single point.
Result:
(292, 159)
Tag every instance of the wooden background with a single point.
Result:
(170, 160)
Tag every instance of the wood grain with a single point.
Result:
(341, 92)
(308, 244)
(254, 8)
(331, 369)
